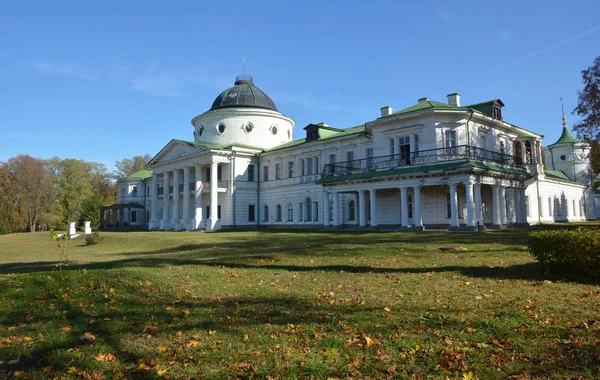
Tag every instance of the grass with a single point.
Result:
(292, 304)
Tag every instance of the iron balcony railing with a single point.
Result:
(423, 157)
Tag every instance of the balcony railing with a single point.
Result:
(423, 157)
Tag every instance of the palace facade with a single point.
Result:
(432, 165)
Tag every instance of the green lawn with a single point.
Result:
(292, 304)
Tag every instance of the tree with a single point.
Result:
(72, 180)
(128, 166)
(588, 103)
(29, 189)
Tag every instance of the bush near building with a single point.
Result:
(568, 251)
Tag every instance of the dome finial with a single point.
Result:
(244, 79)
(564, 118)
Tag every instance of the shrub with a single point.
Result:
(568, 251)
(93, 238)
(4, 228)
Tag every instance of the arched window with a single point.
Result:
(308, 213)
(528, 152)
(290, 213)
(266, 214)
(518, 150)
(351, 210)
(278, 216)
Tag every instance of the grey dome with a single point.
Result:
(243, 94)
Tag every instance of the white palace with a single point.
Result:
(433, 165)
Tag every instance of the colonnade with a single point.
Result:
(171, 219)
(474, 206)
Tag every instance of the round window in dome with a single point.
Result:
(563, 157)
(274, 129)
(221, 128)
(248, 127)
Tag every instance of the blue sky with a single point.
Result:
(102, 81)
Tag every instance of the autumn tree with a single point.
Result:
(128, 166)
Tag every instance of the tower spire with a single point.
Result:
(564, 118)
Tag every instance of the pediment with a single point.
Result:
(175, 150)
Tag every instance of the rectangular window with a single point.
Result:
(134, 217)
(392, 144)
(302, 167)
(550, 207)
(316, 213)
(541, 206)
(122, 192)
(265, 173)
(369, 154)
(291, 169)
(350, 158)
(219, 212)
(502, 148)
(317, 169)
(207, 176)
(416, 141)
(410, 205)
(404, 143)
(309, 165)
(277, 171)
(332, 158)
(251, 213)
(250, 173)
(290, 216)
(220, 173)
(134, 191)
(450, 139)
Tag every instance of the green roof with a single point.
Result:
(558, 175)
(332, 133)
(566, 137)
(423, 169)
(426, 105)
(139, 175)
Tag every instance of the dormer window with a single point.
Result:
(497, 112)
(312, 132)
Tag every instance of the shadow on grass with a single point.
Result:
(528, 271)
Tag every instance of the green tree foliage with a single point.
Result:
(128, 166)
(91, 209)
(73, 184)
(588, 103)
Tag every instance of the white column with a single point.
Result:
(417, 219)
(213, 217)
(453, 207)
(477, 191)
(197, 198)
(496, 205)
(175, 221)
(403, 208)
(185, 215)
(165, 224)
(154, 223)
(362, 209)
(326, 209)
(336, 211)
(534, 159)
(502, 195)
(470, 213)
(373, 206)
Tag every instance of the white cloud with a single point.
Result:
(64, 68)
(309, 101)
(443, 12)
(165, 83)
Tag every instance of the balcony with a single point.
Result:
(423, 157)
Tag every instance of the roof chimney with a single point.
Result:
(454, 99)
(423, 100)
(386, 111)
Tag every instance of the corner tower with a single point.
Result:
(570, 155)
(245, 115)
